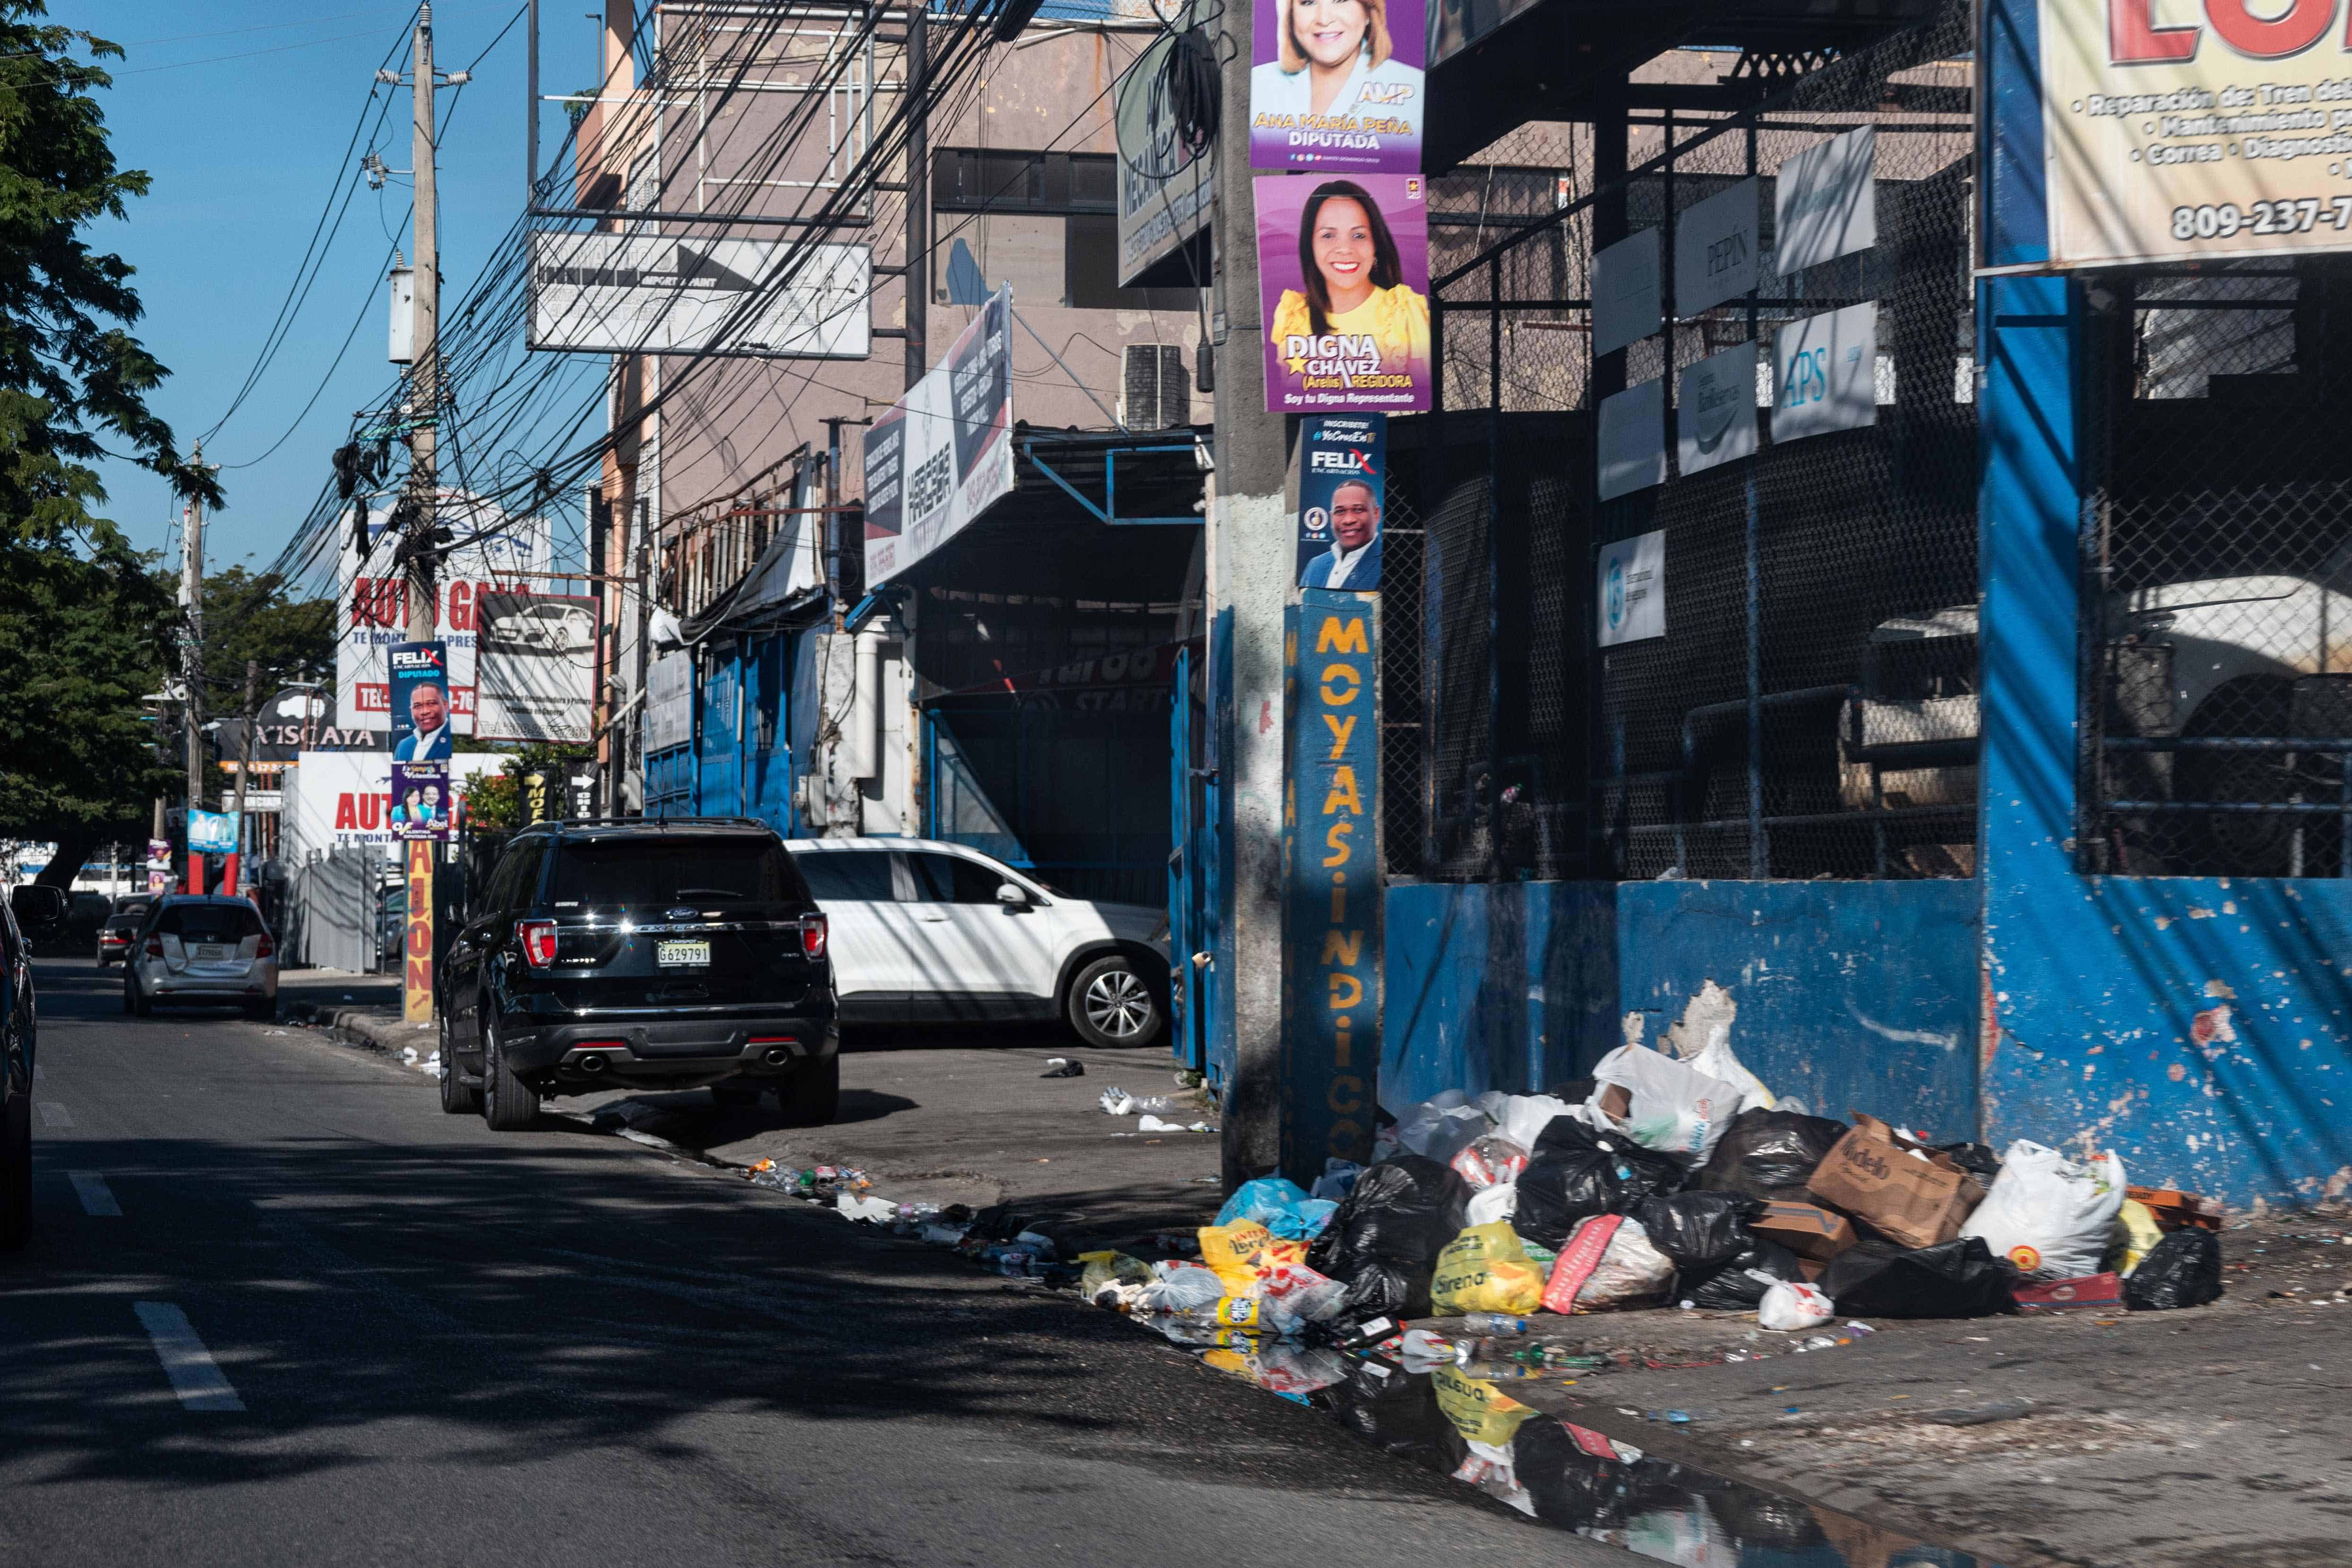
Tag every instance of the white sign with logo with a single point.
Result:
(1625, 307)
(669, 702)
(1825, 203)
(1634, 439)
(618, 294)
(1715, 410)
(538, 660)
(333, 800)
(1826, 373)
(1632, 585)
(1714, 249)
(942, 454)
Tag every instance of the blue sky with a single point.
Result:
(244, 152)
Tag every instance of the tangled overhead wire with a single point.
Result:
(1182, 96)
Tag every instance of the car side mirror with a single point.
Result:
(37, 908)
(1011, 895)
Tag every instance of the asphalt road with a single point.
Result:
(331, 1323)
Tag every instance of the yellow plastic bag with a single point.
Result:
(2136, 1231)
(1478, 1410)
(1103, 1269)
(1483, 1270)
(1232, 1251)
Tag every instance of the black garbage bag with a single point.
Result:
(2184, 1270)
(1701, 1231)
(1735, 1287)
(1767, 1520)
(1397, 1412)
(1401, 1213)
(1577, 1172)
(1951, 1279)
(1770, 1154)
(1974, 1158)
(1569, 1485)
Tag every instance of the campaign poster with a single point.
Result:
(212, 832)
(1342, 487)
(1338, 84)
(422, 711)
(1343, 274)
(422, 805)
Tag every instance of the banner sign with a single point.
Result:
(212, 832)
(1632, 442)
(1714, 249)
(1825, 202)
(1338, 84)
(1715, 410)
(1633, 590)
(535, 675)
(628, 294)
(1343, 274)
(942, 454)
(2192, 133)
(669, 701)
(1625, 293)
(1826, 373)
(336, 800)
(422, 729)
(421, 801)
(1331, 1016)
(1342, 488)
(1164, 192)
(375, 598)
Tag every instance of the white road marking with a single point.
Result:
(96, 1198)
(195, 1377)
(55, 1115)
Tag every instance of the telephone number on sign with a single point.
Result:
(2287, 217)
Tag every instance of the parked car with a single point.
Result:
(930, 931)
(40, 910)
(203, 949)
(664, 953)
(121, 924)
(17, 1032)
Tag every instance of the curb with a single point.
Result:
(367, 1029)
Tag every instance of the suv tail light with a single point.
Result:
(265, 948)
(813, 933)
(155, 947)
(538, 938)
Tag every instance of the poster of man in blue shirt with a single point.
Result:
(1342, 480)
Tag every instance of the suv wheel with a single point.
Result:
(459, 1098)
(811, 1096)
(17, 1170)
(509, 1104)
(1110, 1005)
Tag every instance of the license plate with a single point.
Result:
(682, 955)
(211, 950)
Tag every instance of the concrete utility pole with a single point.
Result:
(191, 661)
(244, 770)
(424, 374)
(919, 196)
(1250, 567)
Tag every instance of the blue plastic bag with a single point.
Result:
(1303, 1220)
(1263, 1201)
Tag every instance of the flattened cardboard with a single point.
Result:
(2089, 1293)
(1808, 1231)
(1873, 1175)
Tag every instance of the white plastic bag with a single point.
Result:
(2048, 1215)
(1674, 1107)
(1715, 1059)
(1525, 1117)
(1439, 1126)
(1497, 1202)
(1791, 1304)
(1608, 1263)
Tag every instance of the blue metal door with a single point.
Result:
(1191, 876)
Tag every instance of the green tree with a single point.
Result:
(83, 630)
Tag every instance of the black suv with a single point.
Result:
(661, 953)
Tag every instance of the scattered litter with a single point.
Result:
(1063, 1067)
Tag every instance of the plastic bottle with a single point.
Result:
(1421, 1345)
(1225, 1311)
(1479, 1324)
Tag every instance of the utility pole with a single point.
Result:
(644, 573)
(424, 375)
(1251, 564)
(191, 661)
(918, 194)
(832, 525)
(244, 770)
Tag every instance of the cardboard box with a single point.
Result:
(2175, 1209)
(1806, 1231)
(1913, 1199)
(2090, 1293)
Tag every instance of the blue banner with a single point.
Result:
(212, 832)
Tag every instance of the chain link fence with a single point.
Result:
(2216, 575)
(1810, 710)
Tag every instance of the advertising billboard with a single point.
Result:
(535, 674)
(1337, 85)
(336, 800)
(619, 293)
(1343, 273)
(1165, 188)
(942, 454)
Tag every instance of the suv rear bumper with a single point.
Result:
(683, 1053)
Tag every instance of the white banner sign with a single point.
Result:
(1715, 410)
(1714, 249)
(1826, 373)
(537, 668)
(942, 454)
(1825, 202)
(669, 702)
(373, 600)
(1634, 439)
(1632, 586)
(333, 800)
(616, 294)
(1625, 307)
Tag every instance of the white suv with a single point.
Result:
(925, 931)
(206, 951)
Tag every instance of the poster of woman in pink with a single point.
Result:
(1343, 271)
(1338, 84)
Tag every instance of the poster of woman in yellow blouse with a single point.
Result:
(1343, 267)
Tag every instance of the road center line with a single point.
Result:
(96, 1198)
(55, 1115)
(195, 1377)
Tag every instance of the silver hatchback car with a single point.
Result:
(202, 950)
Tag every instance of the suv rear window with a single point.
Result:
(210, 922)
(674, 870)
